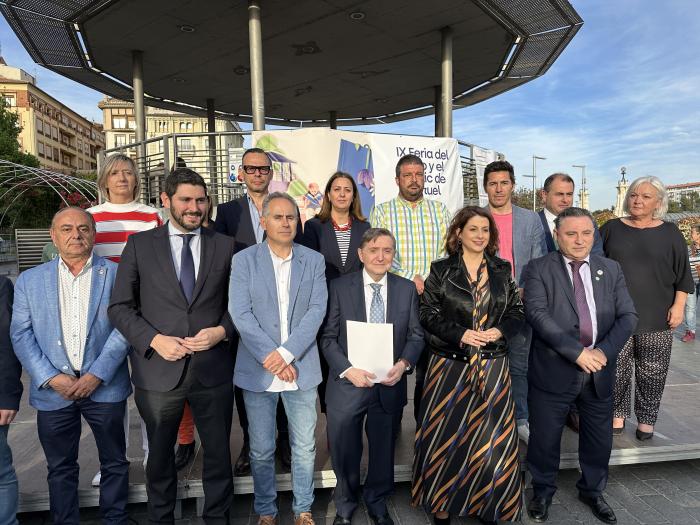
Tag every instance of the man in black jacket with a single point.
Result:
(10, 393)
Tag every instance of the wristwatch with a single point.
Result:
(405, 364)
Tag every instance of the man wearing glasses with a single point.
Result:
(240, 219)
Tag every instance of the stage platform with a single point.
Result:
(676, 437)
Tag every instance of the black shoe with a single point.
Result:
(538, 509)
(618, 431)
(284, 451)
(441, 521)
(643, 436)
(600, 508)
(382, 520)
(184, 455)
(242, 466)
(339, 520)
(572, 420)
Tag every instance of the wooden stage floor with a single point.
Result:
(677, 437)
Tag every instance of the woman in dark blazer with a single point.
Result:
(336, 233)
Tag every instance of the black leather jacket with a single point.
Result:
(447, 304)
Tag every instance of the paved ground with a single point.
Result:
(653, 493)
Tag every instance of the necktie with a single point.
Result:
(186, 267)
(584, 313)
(376, 309)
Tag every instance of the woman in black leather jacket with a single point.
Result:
(466, 461)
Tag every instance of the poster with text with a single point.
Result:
(303, 161)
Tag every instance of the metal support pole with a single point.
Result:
(139, 108)
(438, 117)
(257, 93)
(535, 158)
(333, 120)
(211, 128)
(446, 84)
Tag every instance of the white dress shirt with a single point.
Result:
(585, 273)
(176, 247)
(73, 304)
(550, 222)
(283, 273)
(369, 293)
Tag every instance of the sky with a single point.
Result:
(625, 92)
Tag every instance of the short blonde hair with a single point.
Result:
(107, 168)
(660, 190)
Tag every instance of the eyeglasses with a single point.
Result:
(263, 170)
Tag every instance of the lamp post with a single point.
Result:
(535, 158)
(582, 190)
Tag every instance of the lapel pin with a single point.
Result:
(101, 271)
(600, 272)
(597, 278)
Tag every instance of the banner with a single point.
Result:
(303, 161)
(482, 157)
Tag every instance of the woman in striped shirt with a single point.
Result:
(336, 233)
(116, 218)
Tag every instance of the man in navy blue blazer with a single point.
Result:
(277, 300)
(353, 399)
(581, 315)
(77, 363)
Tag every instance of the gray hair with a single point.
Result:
(277, 195)
(660, 190)
(373, 234)
(107, 168)
(91, 219)
(572, 212)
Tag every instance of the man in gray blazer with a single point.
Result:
(277, 300)
(520, 239)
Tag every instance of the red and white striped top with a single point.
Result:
(115, 222)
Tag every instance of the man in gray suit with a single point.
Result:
(277, 303)
(521, 239)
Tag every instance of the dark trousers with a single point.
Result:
(212, 409)
(282, 424)
(59, 434)
(547, 419)
(421, 372)
(345, 437)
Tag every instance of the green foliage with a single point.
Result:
(9, 132)
(523, 197)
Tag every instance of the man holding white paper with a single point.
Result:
(369, 296)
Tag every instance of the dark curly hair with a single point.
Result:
(459, 221)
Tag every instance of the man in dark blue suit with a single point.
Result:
(558, 195)
(581, 316)
(370, 295)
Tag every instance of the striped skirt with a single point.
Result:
(466, 459)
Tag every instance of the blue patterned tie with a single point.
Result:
(186, 267)
(376, 309)
(584, 313)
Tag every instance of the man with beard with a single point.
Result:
(419, 226)
(170, 301)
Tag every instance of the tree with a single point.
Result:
(9, 133)
(523, 197)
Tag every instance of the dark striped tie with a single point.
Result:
(584, 313)
(186, 267)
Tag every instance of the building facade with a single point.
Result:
(676, 191)
(59, 137)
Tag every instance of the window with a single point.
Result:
(186, 145)
(40, 126)
(56, 154)
(40, 149)
(80, 145)
(9, 100)
(80, 164)
(119, 140)
(54, 132)
(119, 122)
(162, 126)
(132, 123)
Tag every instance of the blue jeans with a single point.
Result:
(518, 354)
(690, 316)
(8, 482)
(300, 406)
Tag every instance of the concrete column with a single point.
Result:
(139, 108)
(257, 92)
(333, 120)
(211, 127)
(446, 84)
(436, 105)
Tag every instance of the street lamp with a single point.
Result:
(535, 158)
(582, 190)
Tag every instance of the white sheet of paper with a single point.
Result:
(371, 347)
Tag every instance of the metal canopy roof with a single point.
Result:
(367, 60)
